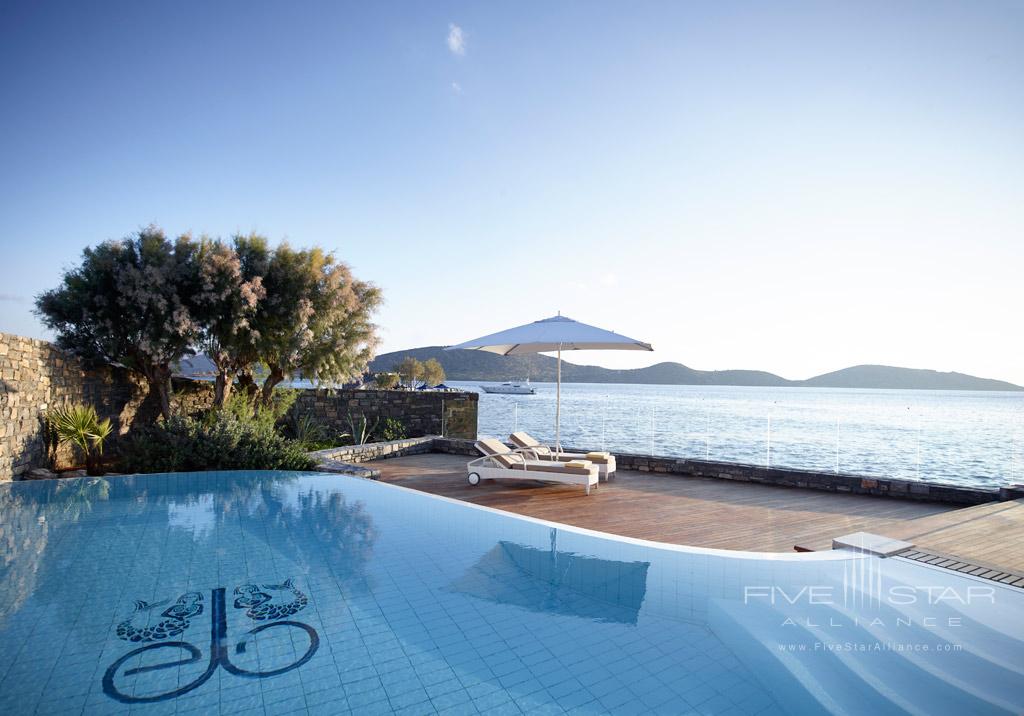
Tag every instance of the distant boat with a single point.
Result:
(510, 389)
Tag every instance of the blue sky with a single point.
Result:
(795, 187)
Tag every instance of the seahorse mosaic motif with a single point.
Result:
(140, 627)
(265, 602)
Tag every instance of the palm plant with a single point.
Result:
(80, 426)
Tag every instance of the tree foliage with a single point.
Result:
(410, 370)
(433, 372)
(315, 319)
(146, 302)
(225, 307)
(128, 302)
(386, 381)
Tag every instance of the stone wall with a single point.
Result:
(376, 451)
(828, 481)
(808, 479)
(348, 459)
(35, 374)
(421, 412)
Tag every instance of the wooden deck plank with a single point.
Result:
(675, 509)
(991, 534)
(743, 516)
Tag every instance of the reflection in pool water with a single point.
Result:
(280, 592)
(550, 580)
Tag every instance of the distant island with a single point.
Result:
(480, 365)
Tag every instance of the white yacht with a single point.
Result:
(510, 388)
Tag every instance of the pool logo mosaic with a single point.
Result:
(269, 604)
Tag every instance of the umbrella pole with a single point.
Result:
(558, 403)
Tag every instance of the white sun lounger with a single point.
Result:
(499, 462)
(605, 461)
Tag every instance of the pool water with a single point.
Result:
(277, 593)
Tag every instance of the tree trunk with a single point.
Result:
(225, 377)
(222, 388)
(247, 384)
(275, 377)
(93, 464)
(160, 382)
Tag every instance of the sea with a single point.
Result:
(969, 438)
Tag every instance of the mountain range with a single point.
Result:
(481, 365)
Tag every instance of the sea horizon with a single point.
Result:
(960, 437)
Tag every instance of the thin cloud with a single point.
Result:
(456, 40)
(456, 88)
(11, 297)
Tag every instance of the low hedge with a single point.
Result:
(220, 440)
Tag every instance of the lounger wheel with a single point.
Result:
(474, 478)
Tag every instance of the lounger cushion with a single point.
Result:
(499, 451)
(523, 439)
(576, 467)
(490, 446)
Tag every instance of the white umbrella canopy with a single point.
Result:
(556, 334)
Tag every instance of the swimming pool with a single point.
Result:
(277, 593)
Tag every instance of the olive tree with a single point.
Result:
(386, 381)
(410, 370)
(128, 303)
(146, 302)
(433, 372)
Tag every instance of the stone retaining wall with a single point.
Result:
(376, 451)
(455, 446)
(831, 482)
(35, 374)
(421, 412)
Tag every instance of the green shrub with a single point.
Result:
(391, 429)
(233, 438)
(306, 430)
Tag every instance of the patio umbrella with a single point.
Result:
(556, 334)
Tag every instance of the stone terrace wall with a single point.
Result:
(738, 472)
(422, 412)
(809, 479)
(35, 374)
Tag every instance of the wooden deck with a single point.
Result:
(734, 515)
(989, 535)
(677, 509)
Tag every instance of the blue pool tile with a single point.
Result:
(423, 709)
(371, 699)
(415, 610)
(411, 697)
(492, 700)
